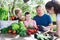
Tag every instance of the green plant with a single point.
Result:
(3, 13)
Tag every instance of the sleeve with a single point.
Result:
(58, 16)
(58, 19)
(34, 22)
(49, 20)
(58, 24)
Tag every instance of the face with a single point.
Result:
(51, 11)
(39, 10)
(28, 17)
(19, 14)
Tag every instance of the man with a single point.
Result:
(42, 19)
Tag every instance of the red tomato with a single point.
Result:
(14, 32)
(28, 32)
(32, 31)
(12, 17)
(9, 31)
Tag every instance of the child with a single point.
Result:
(30, 24)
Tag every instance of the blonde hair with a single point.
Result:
(17, 10)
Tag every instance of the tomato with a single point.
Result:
(28, 32)
(14, 31)
(9, 31)
(32, 31)
(12, 17)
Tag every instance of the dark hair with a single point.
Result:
(26, 13)
(38, 6)
(51, 4)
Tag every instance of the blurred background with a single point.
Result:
(7, 8)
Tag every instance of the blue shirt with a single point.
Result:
(44, 20)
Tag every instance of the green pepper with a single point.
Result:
(18, 31)
(23, 33)
(4, 30)
(15, 26)
(22, 26)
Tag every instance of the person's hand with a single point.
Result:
(46, 28)
(36, 28)
(23, 18)
(46, 32)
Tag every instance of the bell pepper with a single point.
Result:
(4, 30)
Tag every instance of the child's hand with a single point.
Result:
(36, 27)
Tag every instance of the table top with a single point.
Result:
(15, 37)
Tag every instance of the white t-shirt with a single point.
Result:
(58, 24)
(58, 17)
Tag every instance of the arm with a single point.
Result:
(50, 28)
(25, 23)
(35, 25)
(58, 25)
(50, 23)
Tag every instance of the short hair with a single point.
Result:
(38, 6)
(26, 13)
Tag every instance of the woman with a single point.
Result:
(54, 7)
(19, 16)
